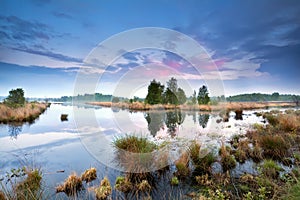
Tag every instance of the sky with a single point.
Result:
(47, 46)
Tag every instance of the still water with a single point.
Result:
(84, 140)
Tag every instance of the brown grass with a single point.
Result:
(71, 186)
(89, 175)
(220, 106)
(104, 190)
(28, 113)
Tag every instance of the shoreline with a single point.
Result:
(229, 106)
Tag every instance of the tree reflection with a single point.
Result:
(155, 121)
(203, 120)
(173, 120)
(14, 130)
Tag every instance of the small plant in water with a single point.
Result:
(104, 190)
(174, 181)
(144, 186)
(71, 186)
(123, 184)
(89, 175)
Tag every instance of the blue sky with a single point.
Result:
(255, 44)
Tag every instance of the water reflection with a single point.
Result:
(14, 130)
(203, 120)
(158, 120)
(155, 121)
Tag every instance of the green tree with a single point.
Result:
(275, 96)
(194, 98)
(203, 97)
(170, 95)
(181, 96)
(155, 91)
(15, 98)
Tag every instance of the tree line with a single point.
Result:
(172, 94)
(263, 97)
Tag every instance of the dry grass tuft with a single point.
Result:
(104, 190)
(71, 186)
(89, 175)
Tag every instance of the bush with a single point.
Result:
(15, 98)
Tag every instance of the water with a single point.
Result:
(84, 140)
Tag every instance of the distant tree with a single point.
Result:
(194, 98)
(296, 99)
(181, 96)
(155, 91)
(275, 96)
(203, 97)
(15, 98)
(115, 99)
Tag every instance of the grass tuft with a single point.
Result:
(104, 190)
(89, 175)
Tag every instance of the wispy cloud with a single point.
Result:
(50, 54)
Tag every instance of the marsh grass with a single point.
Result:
(27, 113)
(123, 184)
(89, 175)
(104, 190)
(270, 169)
(71, 186)
(22, 184)
(134, 144)
(274, 146)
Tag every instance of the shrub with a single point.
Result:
(240, 156)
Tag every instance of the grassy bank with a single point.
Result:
(220, 106)
(28, 113)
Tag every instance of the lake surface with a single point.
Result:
(85, 140)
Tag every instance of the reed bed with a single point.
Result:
(28, 113)
(232, 106)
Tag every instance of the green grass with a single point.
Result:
(293, 192)
(135, 144)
